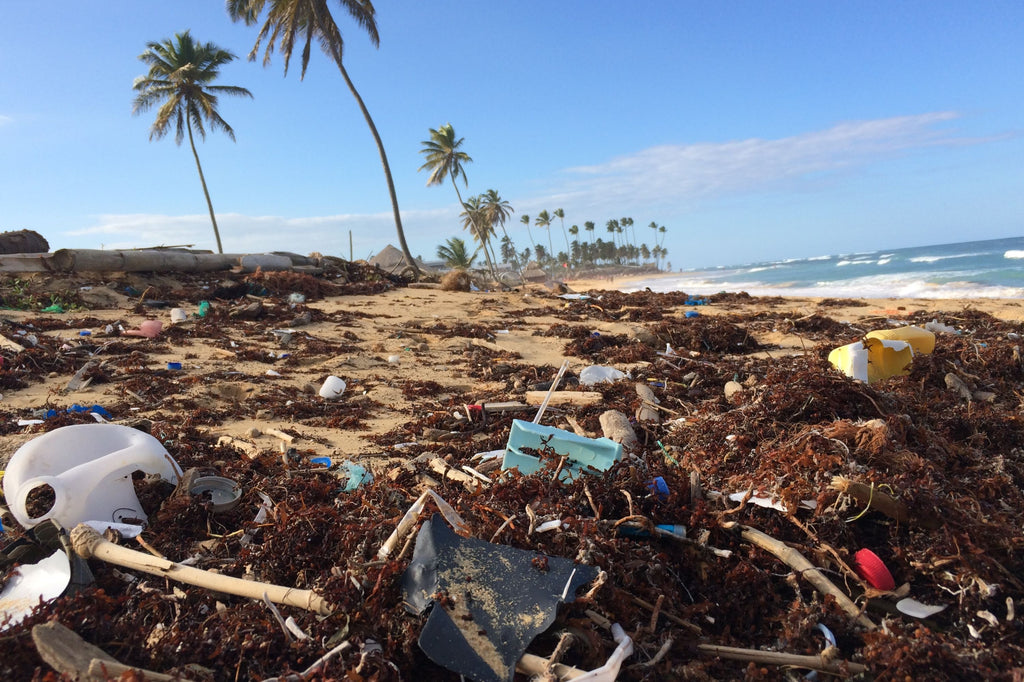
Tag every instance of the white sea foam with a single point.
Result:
(935, 259)
(906, 285)
(1014, 254)
(883, 261)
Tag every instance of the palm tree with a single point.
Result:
(525, 220)
(589, 227)
(498, 211)
(455, 254)
(612, 226)
(544, 220)
(560, 214)
(474, 219)
(444, 160)
(288, 20)
(179, 80)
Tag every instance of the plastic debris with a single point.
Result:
(88, 467)
(916, 609)
(30, 583)
(487, 602)
(882, 354)
(582, 454)
(597, 373)
(871, 568)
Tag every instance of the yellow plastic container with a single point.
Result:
(921, 340)
(882, 354)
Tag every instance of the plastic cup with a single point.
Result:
(333, 387)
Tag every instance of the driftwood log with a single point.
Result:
(23, 241)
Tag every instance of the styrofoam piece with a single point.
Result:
(89, 468)
(582, 453)
(30, 583)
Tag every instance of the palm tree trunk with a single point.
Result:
(384, 162)
(482, 235)
(202, 179)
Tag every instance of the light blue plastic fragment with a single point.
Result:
(584, 454)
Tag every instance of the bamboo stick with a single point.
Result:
(89, 544)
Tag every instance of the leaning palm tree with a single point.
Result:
(181, 73)
(444, 160)
(288, 20)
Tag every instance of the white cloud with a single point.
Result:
(257, 234)
(5, 120)
(680, 174)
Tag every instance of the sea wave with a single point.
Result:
(935, 259)
(908, 285)
(1014, 254)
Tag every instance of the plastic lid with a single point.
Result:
(871, 568)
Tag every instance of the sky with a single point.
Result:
(751, 130)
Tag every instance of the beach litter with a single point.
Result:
(925, 476)
(882, 354)
(487, 602)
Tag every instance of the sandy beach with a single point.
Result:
(417, 360)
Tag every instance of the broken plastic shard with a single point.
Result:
(916, 609)
(582, 453)
(45, 580)
(489, 601)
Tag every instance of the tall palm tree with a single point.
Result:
(560, 214)
(288, 20)
(589, 227)
(525, 220)
(181, 73)
(544, 220)
(445, 160)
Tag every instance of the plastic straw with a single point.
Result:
(547, 398)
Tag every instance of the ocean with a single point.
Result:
(992, 268)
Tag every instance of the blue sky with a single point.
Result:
(751, 130)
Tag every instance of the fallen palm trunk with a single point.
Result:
(804, 569)
(89, 544)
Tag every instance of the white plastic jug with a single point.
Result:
(89, 468)
(332, 388)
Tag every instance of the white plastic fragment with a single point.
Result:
(916, 609)
(548, 526)
(598, 373)
(403, 527)
(610, 670)
(126, 530)
(30, 583)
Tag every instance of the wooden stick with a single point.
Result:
(806, 570)
(89, 544)
(564, 397)
(780, 658)
(68, 654)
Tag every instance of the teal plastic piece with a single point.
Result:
(585, 455)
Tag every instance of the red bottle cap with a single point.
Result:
(871, 568)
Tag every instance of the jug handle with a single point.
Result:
(21, 498)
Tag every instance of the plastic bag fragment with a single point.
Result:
(488, 601)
